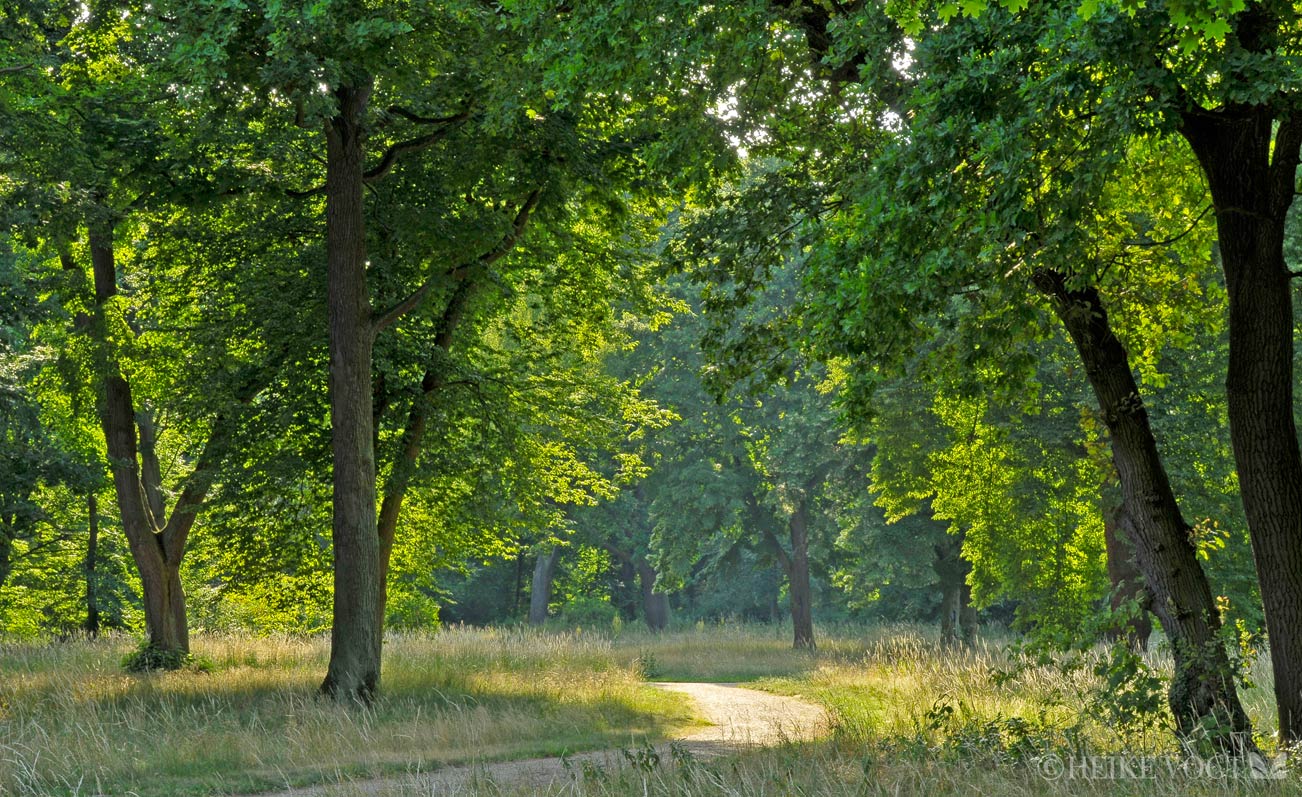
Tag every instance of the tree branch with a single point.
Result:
(775, 546)
(460, 272)
(393, 153)
(425, 120)
(320, 189)
(185, 510)
(1168, 241)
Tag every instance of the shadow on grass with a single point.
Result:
(243, 729)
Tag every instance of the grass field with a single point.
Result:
(910, 717)
(71, 722)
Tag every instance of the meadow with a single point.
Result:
(909, 716)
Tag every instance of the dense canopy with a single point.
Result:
(343, 316)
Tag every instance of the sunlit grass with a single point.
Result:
(906, 685)
(72, 723)
(910, 716)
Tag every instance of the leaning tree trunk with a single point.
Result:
(1252, 195)
(1202, 689)
(412, 441)
(802, 613)
(1127, 582)
(468, 277)
(655, 605)
(540, 588)
(353, 673)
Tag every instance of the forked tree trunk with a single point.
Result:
(802, 613)
(540, 588)
(1252, 193)
(353, 673)
(1127, 582)
(156, 550)
(1202, 695)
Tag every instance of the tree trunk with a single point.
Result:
(92, 552)
(802, 617)
(413, 433)
(967, 615)
(540, 589)
(628, 599)
(655, 605)
(1127, 581)
(1252, 195)
(157, 552)
(6, 550)
(355, 639)
(1202, 689)
(957, 617)
(151, 472)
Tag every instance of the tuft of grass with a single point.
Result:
(149, 658)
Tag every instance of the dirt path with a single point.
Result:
(738, 718)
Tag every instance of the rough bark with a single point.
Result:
(655, 605)
(1127, 582)
(802, 616)
(355, 639)
(540, 588)
(1202, 689)
(92, 553)
(1251, 169)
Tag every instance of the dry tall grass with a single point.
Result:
(912, 717)
(71, 722)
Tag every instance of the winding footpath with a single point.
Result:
(738, 717)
